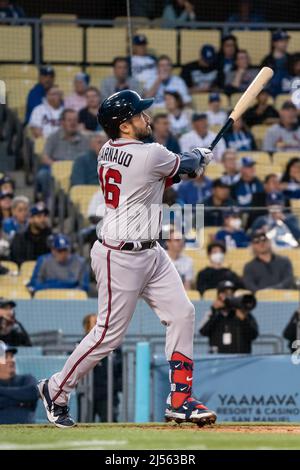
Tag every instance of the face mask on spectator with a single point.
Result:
(217, 258)
(235, 223)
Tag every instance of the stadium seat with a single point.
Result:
(282, 158)
(236, 96)
(199, 257)
(136, 21)
(261, 158)
(259, 132)
(13, 267)
(23, 71)
(161, 41)
(209, 234)
(59, 16)
(81, 196)
(39, 145)
(200, 101)
(61, 294)
(103, 44)
(278, 295)
(13, 287)
(294, 257)
(281, 99)
(257, 43)
(193, 295)
(97, 74)
(214, 170)
(210, 294)
(192, 41)
(236, 259)
(61, 44)
(61, 171)
(294, 42)
(26, 270)
(17, 40)
(66, 72)
(17, 91)
(263, 170)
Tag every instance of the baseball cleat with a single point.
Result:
(191, 411)
(56, 414)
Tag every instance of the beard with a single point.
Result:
(140, 133)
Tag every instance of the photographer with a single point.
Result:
(292, 330)
(229, 325)
(12, 331)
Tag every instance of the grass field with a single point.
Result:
(152, 436)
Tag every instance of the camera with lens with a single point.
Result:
(246, 302)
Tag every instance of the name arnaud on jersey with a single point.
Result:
(115, 155)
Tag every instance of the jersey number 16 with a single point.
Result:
(109, 186)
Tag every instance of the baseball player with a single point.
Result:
(128, 262)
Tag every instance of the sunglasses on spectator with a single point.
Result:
(260, 239)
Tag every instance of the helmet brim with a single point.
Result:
(144, 104)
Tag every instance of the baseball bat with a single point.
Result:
(255, 87)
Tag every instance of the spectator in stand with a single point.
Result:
(232, 234)
(292, 331)
(239, 137)
(279, 60)
(45, 118)
(65, 144)
(88, 115)
(290, 83)
(166, 81)
(179, 118)
(77, 100)
(18, 393)
(267, 270)
(282, 229)
(17, 223)
(212, 275)
(38, 92)
(182, 263)
(12, 331)
(143, 66)
(238, 79)
(215, 115)
(290, 181)
(194, 191)
(178, 11)
(248, 184)
(60, 269)
(262, 112)
(10, 10)
(226, 58)
(4, 252)
(230, 330)
(100, 377)
(33, 242)
(201, 75)
(5, 206)
(247, 12)
(7, 184)
(215, 204)
(161, 133)
(84, 169)
(120, 80)
(201, 136)
(231, 173)
(284, 136)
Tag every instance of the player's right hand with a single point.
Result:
(205, 156)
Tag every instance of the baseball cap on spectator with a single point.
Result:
(82, 77)
(280, 35)
(6, 179)
(232, 212)
(214, 97)
(219, 183)
(288, 105)
(61, 242)
(258, 235)
(224, 285)
(208, 53)
(274, 199)
(247, 162)
(139, 40)
(4, 194)
(198, 116)
(6, 348)
(47, 70)
(39, 208)
(4, 302)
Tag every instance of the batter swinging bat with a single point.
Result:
(245, 100)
